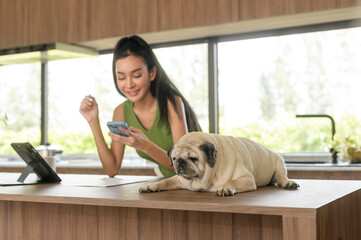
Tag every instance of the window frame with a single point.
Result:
(213, 80)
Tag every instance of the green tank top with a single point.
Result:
(161, 135)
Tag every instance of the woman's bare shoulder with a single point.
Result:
(118, 114)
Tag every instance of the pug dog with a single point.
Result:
(222, 164)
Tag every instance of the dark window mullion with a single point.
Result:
(213, 86)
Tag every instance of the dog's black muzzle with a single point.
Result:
(182, 169)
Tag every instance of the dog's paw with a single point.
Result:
(225, 192)
(150, 188)
(289, 184)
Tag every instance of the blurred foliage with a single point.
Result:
(70, 143)
(287, 134)
(348, 137)
(284, 135)
(9, 136)
(74, 142)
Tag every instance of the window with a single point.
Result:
(69, 82)
(187, 68)
(69, 129)
(20, 105)
(265, 82)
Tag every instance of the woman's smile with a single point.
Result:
(133, 93)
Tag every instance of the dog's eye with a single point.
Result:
(174, 159)
(193, 159)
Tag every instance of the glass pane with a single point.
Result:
(19, 105)
(187, 67)
(264, 83)
(70, 130)
(69, 82)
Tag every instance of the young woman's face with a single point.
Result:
(133, 77)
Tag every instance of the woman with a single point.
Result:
(157, 113)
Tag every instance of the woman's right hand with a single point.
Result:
(89, 108)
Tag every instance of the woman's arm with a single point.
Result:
(112, 164)
(111, 159)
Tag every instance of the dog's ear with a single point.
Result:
(210, 150)
(169, 153)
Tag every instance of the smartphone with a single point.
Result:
(115, 127)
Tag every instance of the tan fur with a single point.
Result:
(240, 165)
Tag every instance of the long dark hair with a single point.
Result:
(161, 87)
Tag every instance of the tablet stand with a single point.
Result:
(29, 168)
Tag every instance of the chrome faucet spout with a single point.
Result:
(333, 125)
(333, 129)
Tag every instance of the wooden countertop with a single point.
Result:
(269, 200)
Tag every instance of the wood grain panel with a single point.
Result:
(188, 13)
(295, 228)
(106, 17)
(150, 223)
(347, 3)
(335, 219)
(52, 221)
(15, 220)
(251, 9)
(63, 221)
(72, 20)
(118, 18)
(222, 225)
(199, 226)
(206, 225)
(271, 226)
(86, 217)
(13, 23)
(209, 12)
(175, 225)
(176, 14)
(147, 16)
(269, 8)
(257, 227)
(323, 5)
(42, 21)
(3, 219)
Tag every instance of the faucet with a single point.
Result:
(333, 129)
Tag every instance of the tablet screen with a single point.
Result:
(35, 163)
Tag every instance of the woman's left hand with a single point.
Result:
(136, 138)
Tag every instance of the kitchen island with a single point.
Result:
(320, 209)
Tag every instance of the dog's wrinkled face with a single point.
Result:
(190, 161)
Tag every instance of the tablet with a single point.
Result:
(35, 163)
